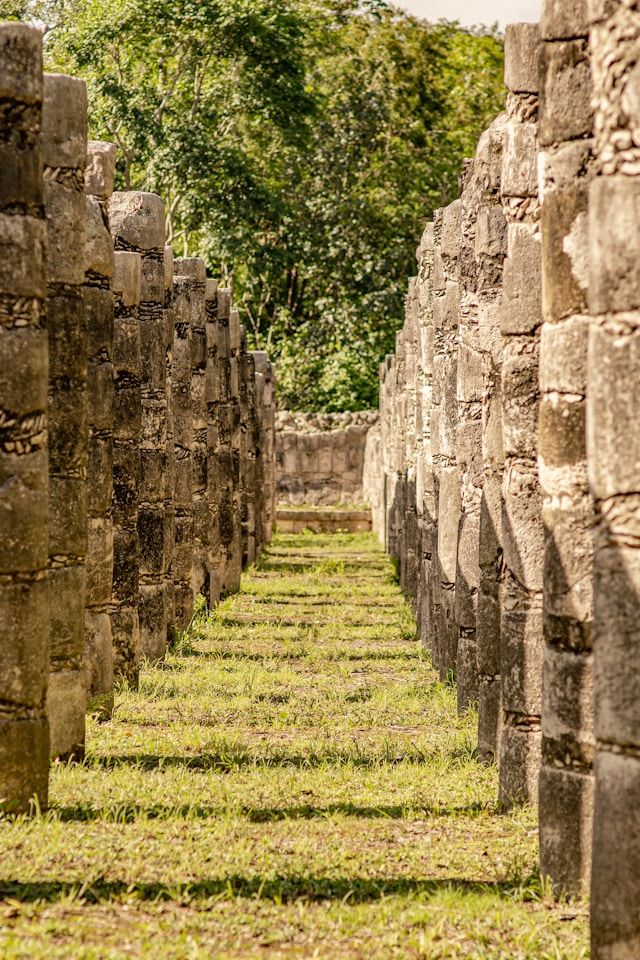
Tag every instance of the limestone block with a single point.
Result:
(520, 753)
(522, 57)
(24, 607)
(64, 122)
(522, 528)
(566, 802)
(127, 277)
(138, 219)
(566, 111)
(22, 248)
(98, 246)
(520, 160)
(563, 356)
(520, 397)
(614, 212)
(66, 700)
(615, 925)
(21, 782)
(101, 169)
(565, 252)
(562, 22)
(612, 407)
(522, 304)
(567, 707)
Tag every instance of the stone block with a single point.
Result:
(67, 516)
(562, 22)
(522, 529)
(614, 213)
(125, 627)
(566, 111)
(24, 612)
(126, 564)
(520, 161)
(22, 255)
(562, 431)
(64, 122)
(24, 759)
(127, 277)
(612, 411)
(615, 923)
(520, 754)
(565, 253)
(67, 587)
(566, 815)
(67, 334)
(65, 210)
(66, 706)
(448, 522)
(99, 663)
(522, 651)
(617, 576)
(21, 63)
(563, 356)
(100, 171)
(99, 562)
(98, 245)
(151, 534)
(522, 57)
(567, 703)
(138, 219)
(489, 719)
(522, 293)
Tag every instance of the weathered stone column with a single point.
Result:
(64, 138)
(24, 497)
(137, 224)
(127, 429)
(183, 420)
(614, 455)
(566, 782)
(233, 436)
(490, 251)
(446, 314)
(196, 271)
(245, 449)
(269, 450)
(468, 445)
(170, 468)
(98, 305)
(213, 398)
(411, 550)
(425, 486)
(522, 528)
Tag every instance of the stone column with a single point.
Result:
(614, 455)
(24, 497)
(170, 468)
(425, 486)
(196, 271)
(566, 782)
(409, 565)
(260, 361)
(468, 448)
(127, 431)
(137, 225)
(491, 240)
(98, 305)
(522, 529)
(64, 138)
(446, 313)
(213, 398)
(233, 433)
(183, 421)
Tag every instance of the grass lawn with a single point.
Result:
(293, 782)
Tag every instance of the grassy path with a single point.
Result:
(292, 783)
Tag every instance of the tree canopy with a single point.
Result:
(300, 146)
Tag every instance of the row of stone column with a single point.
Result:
(509, 452)
(136, 431)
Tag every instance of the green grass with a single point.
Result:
(293, 782)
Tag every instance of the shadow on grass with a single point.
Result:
(130, 812)
(280, 889)
(315, 653)
(235, 758)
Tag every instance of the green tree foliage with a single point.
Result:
(301, 145)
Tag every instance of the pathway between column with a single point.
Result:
(293, 782)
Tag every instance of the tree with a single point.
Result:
(300, 146)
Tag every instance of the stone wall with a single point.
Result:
(137, 433)
(320, 457)
(507, 455)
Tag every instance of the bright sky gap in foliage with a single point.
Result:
(471, 12)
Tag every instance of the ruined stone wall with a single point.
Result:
(320, 457)
(522, 465)
(137, 433)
